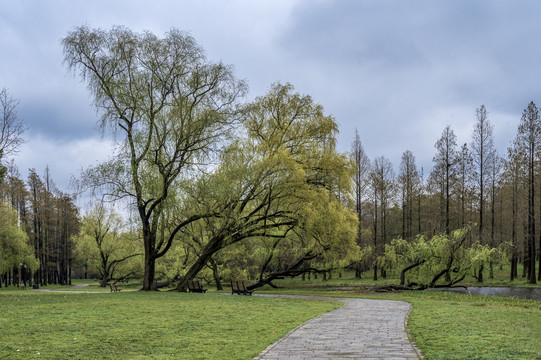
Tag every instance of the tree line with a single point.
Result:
(37, 221)
(40, 248)
(473, 186)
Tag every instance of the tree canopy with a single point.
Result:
(273, 183)
(169, 108)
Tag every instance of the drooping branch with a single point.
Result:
(295, 269)
(408, 268)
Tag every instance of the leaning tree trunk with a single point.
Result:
(212, 247)
(406, 269)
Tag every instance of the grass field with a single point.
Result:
(137, 325)
(164, 325)
(457, 326)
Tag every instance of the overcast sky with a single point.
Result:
(398, 71)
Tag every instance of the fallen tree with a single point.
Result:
(442, 261)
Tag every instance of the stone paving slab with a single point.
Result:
(360, 329)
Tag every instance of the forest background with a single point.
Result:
(258, 190)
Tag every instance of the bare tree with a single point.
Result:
(495, 166)
(383, 187)
(483, 150)
(513, 174)
(11, 128)
(464, 183)
(445, 160)
(361, 177)
(409, 181)
(528, 142)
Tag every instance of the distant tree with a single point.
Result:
(169, 107)
(483, 151)
(37, 191)
(52, 221)
(514, 171)
(102, 243)
(528, 142)
(420, 194)
(67, 224)
(465, 174)
(14, 246)
(11, 128)
(494, 178)
(383, 187)
(14, 191)
(361, 181)
(408, 180)
(424, 262)
(445, 161)
(361, 177)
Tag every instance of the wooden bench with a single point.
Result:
(195, 286)
(238, 287)
(114, 287)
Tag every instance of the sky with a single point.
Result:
(397, 71)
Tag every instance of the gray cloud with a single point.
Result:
(398, 71)
(401, 71)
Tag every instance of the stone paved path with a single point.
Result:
(361, 329)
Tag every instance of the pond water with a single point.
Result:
(520, 293)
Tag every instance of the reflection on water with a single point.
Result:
(520, 293)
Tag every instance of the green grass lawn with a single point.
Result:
(458, 326)
(141, 325)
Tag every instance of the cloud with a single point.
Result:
(401, 72)
(398, 71)
(65, 158)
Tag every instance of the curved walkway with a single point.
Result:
(361, 329)
(74, 291)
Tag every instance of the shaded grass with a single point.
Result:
(140, 325)
(93, 285)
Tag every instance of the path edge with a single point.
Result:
(408, 332)
(271, 346)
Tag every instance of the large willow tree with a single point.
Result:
(277, 188)
(168, 107)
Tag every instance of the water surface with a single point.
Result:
(516, 292)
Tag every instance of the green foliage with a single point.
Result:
(427, 260)
(14, 246)
(175, 326)
(106, 248)
(280, 187)
(169, 107)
